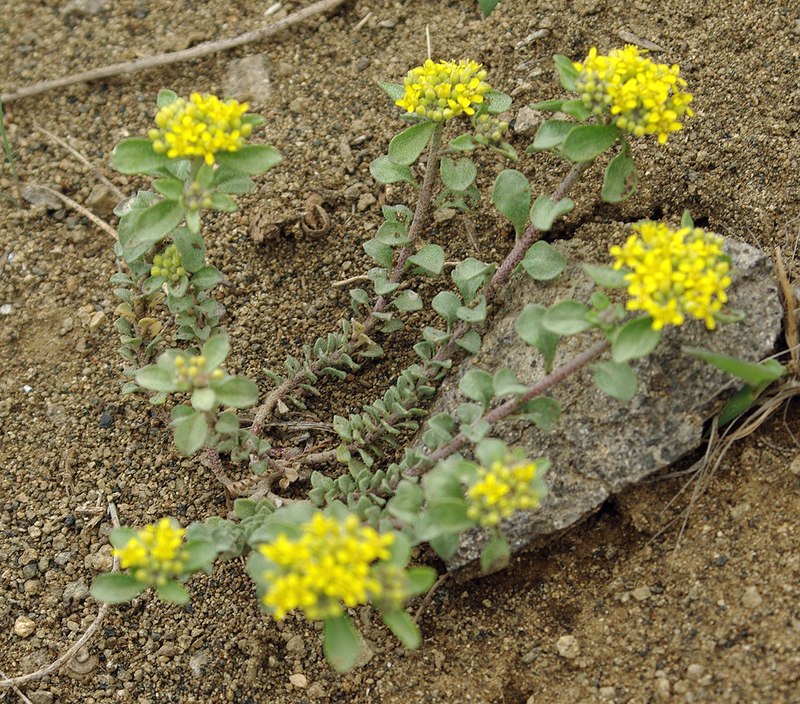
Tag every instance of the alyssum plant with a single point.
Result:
(350, 542)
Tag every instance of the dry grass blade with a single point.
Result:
(102, 224)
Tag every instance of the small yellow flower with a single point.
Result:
(156, 553)
(168, 264)
(201, 126)
(192, 372)
(330, 564)
(674, 273)
(641, 97)
(443, 90)
(502, 489)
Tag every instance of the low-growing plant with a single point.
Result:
(350, 542)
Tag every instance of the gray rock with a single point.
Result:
(600, 445)
(85, 8)
(75, 591)
(248, 79)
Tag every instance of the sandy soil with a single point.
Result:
(716, 620)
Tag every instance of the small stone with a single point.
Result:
(97, 320)
(248, 79)
(567, 647)
(101, 200)
(528, 120)
(641, 593)
(24, 627)
(387, 24)
(352, 192)
(366, 200)
(41, 696)
(362, 63)
(106, 420)
(694, 671)
(443, 214)
(751, 599)
(38, 196)
(67, 325)
(316, 691)
(6, 309)
(85, 8)
(794, 467)
(299, 680)
(75, 591)
(299, 105)
(606, 692)
(295, 644)
(661, 689)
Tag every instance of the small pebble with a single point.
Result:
(641, 593)
(24, 627)
(299, 680)
(567, 647)
(41, 696)
(6, 309)
(106, 420)
(366, 200)
(661, 689)
(694, 671)
(751, 599)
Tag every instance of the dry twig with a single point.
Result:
(194, 52)
(68, 654)
(102, 224)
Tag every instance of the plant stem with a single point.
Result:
(513, 405)
(420, 219)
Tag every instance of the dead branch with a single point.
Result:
(173, 57)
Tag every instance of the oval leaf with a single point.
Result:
(406, 146)
(567, 318)
(156, 379)
(116, 587)
(636, 338)
(236, 391)
(155, 223)
(457, 174)
(384, 170)
(190, 432)
(341, 643)
(617, 380)
(546, 211)
(585, 142)
(429, 260)
(543, 262)
(136, 156)
(404, 628)
(512, 197)
(620, 179)
(533, 332)
(551, 134)
(251, 159)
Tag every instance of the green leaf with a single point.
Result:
(445, 545)
(477, 385)
(446, 304)
(739, 403)
(341, 643)
(512, 197)
(545, 211)
(548, 105)
(505, 382)
(204, 176)
(567, 73)
(567, 318)
(469, 276)
(251, 159)
(543, 411)
(406, 502)
(532, 331)
(620, 179)
(155, 223)
(156, 379)
(403, 627)
(200, 556)
(635, 338)
(470, 341)
(172, 592)
(429, 260)
(498, 102)
(606, 276)
(449, 515)
(752, 373)
(205, 278)
(236, 391)
(686, 219)
(116, 587)
(166, 97)
(421, 579)
(406, 146)
(576, 109)
(170, 188)
(487, 6)
(136, 156)
(380, 252)
(408, 301)
(586, 142)
(191, 247)
(190, 432)
(473, 313)
(193, 220)
(223, 203)
(215, 350)
(543, 262)
(463, 143)
(227, 423)
(550, 135)
(203, 399)
(617, 380)
(496, 554)
(230, 181)
(457, 174)
(384, 170)
(394, 90)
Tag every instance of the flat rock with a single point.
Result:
(600, 445)
(248, 79)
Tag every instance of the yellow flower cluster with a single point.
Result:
(201, 126)
(156, 553)
(642, 97)
(192, 372)
(329, 564)
(674, 273)
(168, 264)
(444, 89)
(501, 490)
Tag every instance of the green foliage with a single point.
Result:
(384, 170)
(616, 379)
(512, 197)
(487, 6)
(620, 179)
(406, 146)
(545, 211)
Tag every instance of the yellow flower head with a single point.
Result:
(330, 564)
(201, 126)
(641, 97)
(502, 489)
(156, 553)
(674, 273)
(191, 372)
(442, 90)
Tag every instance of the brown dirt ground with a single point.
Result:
(699, 632)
